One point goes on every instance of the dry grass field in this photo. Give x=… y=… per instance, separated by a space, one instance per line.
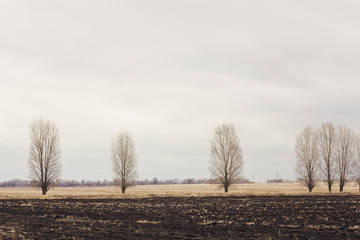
x=174 y=190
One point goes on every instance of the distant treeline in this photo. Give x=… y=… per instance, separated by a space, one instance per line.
x=62 y=183
x=278 y=180
x=156 y=181
x=102 y=183
x=15 y=183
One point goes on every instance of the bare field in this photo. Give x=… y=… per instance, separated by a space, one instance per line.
x=174 y=190
x=249 y=211
x=312 y=216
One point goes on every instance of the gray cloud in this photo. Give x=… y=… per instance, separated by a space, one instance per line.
x=169 y=72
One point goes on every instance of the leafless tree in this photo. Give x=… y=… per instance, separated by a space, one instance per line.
x=226 y=156
x=345 y=154
x=124 y=161
x=327 y=149
x=357 y=161
x=307 y=154
x=44 y=159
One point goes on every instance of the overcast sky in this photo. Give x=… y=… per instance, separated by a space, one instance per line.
x=169 y=72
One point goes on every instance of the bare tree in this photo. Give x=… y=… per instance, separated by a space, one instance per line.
x=307 y=154
x=44 y=159
x=327 y=149
x=226 y=156
x=124 y=161
x=357 y=161
x=345 y=154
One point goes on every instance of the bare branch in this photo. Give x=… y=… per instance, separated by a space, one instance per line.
x=124 y=160
x=357 y=160
x=44 y=159
x=327 y=150
x=307 y=154
x=345 y=154
x=226 y=156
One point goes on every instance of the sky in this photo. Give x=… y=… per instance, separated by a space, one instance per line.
x=169 y=72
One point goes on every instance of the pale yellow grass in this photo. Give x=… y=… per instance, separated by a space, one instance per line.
x=174 y=190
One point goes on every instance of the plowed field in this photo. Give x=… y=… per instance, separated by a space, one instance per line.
x=228 y=217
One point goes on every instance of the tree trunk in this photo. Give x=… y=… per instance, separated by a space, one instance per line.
x=226 y=187
x=341 y=187
x=342 y=183
x=329 y=184
x=123 y=188
x=43 y=191
x=311 y=186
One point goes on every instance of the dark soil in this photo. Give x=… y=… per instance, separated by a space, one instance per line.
x=241 y=217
